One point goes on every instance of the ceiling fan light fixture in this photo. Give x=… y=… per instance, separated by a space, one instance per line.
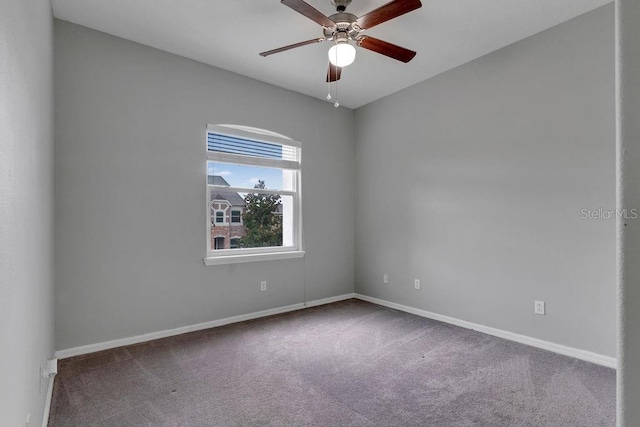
x=342 y=54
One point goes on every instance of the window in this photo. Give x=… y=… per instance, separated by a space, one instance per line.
x=236 y=217
x=256 y=175
x=218 y=243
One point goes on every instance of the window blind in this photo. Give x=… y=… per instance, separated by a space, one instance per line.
x=242 y=146
x=246 y=147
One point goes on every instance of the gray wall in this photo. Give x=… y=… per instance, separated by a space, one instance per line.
x=474 y=181
x=26 y=207
x=130 y=188
x=628 y=179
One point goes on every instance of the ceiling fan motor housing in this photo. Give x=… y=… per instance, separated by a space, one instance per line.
x=345 y=27
x=341 y=5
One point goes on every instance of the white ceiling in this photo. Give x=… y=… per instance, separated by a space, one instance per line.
x=229 y=34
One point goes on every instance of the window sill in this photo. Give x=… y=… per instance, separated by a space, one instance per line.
x=268 y=256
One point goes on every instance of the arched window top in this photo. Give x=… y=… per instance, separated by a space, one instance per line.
x=254 y=130
x=253 y=134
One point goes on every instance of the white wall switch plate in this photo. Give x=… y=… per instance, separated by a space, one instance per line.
x=539 y=307
x=263 y=285
x=416 y=283
x=385 y=278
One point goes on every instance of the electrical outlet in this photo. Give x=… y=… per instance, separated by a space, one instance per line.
x=416 y=283
x=263 y=285
x=385 y=278
x=539 y=307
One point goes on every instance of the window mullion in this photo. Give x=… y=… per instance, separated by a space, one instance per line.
x=226 y=189
x=252 y=161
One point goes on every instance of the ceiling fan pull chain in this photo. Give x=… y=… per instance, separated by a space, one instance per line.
x=337 y=104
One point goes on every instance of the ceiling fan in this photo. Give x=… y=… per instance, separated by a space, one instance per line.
x=343 y=27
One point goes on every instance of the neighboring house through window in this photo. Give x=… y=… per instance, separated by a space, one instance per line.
x=222 y=205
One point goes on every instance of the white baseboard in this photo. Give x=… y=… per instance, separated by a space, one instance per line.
x=92 y=348
x=47 y=404
x=587 y=356
x=329 y=300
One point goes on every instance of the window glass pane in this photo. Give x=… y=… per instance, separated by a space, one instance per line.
x=267 y=221
x=236 y=216
x=244 y=176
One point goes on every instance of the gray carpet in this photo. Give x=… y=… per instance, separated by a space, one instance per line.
x=345 y=364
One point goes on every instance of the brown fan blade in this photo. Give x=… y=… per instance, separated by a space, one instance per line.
x=309 y=11
x=386 y=12
x=333 y=73
x=386 y=48
x=291 y=46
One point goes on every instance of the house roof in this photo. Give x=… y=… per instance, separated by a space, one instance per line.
x=217 y=180
x=232 y=197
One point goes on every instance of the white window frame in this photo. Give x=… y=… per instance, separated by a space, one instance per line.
x=231 y=256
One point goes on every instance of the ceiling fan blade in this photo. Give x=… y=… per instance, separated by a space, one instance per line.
x=309 y=11
x=386 y=12
x=386 y=48
x=291 y=46
x=333 y=73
